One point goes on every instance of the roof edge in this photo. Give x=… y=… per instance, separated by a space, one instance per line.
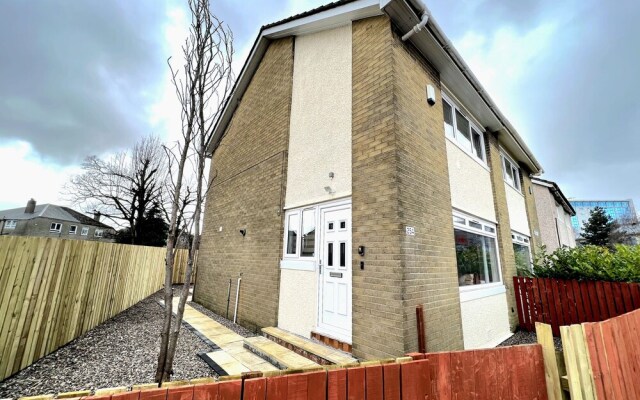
x=557 y=194
x=324 y=17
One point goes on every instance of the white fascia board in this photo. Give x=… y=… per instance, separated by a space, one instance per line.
x=322 y=20
x=537 y=182
x=331 y=18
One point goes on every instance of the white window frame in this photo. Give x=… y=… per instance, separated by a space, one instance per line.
x=487 y=289
x=297 y=255
x=517 y=183
x=55 y=227
x=84 y=231
x=472 y=124
x=73 y=229
x=10 y=224
x=98 y=233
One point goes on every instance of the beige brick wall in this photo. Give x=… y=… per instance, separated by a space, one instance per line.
x=248 y=193
x=378 y=313
x=504 y=242
x=400 y=178
x=430 y=271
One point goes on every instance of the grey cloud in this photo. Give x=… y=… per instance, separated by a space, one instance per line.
x=77 y=76
x=585 y=110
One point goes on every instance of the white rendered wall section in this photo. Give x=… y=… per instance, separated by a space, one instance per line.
x=485 y=321
x=470 y=182
x=517 y=210
x=320 y=129
x=298 y=305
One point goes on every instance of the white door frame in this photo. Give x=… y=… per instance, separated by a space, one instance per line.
x=343 y=335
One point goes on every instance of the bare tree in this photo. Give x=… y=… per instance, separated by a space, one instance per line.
x=203 y=82
x=122 y=187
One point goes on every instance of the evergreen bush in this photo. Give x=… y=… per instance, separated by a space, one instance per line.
x=597 y=263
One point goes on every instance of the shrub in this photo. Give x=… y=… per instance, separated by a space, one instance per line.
x=622 y=264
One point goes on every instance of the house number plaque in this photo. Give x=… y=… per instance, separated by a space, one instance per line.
x=335 y=274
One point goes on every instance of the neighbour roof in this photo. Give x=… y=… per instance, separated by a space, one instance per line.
x=51 y=211
x=431 y=42
x=84 y=219
x=557 y=194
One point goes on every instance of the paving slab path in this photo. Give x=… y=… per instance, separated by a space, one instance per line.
x=232 y=357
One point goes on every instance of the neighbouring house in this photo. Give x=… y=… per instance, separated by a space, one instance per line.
x=554 y=215
x=622 y=211
x=359 y=175
x=50 y=220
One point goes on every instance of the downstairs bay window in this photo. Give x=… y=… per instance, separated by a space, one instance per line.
x=476 y=251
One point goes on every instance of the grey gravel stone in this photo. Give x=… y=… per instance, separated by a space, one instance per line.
x=120 y=352
x=522 y=337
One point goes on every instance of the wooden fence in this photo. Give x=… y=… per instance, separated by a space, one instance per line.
x=180 y=267
x=54 y=290
x=515 y=372
x=599 y=360
x=560 y=302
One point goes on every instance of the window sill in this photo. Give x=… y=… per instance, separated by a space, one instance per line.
x=467 y=153
x=298 y=265
x=470 y=293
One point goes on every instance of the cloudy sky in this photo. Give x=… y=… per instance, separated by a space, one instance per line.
x=79 y=78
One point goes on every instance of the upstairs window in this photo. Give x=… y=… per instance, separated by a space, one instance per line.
x=511 y=172
x=55 y=227
x=85 y=231
x=10 y=224
x=462 y=131
x=98 y=233
x=521 y=252
x=73 y=229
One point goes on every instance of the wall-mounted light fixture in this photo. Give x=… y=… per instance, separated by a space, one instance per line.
x=243 y=232
x=329 y=190
x=431 y=95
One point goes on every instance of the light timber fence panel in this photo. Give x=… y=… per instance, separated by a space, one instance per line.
x=180 y=266
x=602 y=359
x=54 y=290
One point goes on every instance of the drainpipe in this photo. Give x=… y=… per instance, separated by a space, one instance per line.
x=423 y=20
x=235 y=311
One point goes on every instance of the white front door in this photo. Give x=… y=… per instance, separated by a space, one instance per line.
x=334 y=316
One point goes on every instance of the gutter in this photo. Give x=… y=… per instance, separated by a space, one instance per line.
x=448 y=47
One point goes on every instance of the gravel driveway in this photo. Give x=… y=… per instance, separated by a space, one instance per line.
x=120 y=352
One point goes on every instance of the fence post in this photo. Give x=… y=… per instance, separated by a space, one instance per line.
x=551 y=374
x=577 y=362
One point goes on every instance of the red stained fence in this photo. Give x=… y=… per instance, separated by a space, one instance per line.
x=503 y=373
x=560 y=302
x=614 y=354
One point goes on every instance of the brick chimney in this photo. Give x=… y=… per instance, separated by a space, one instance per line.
x=31 y=207
x=96 y=216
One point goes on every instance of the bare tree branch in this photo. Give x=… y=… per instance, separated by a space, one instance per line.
x=201 y=85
